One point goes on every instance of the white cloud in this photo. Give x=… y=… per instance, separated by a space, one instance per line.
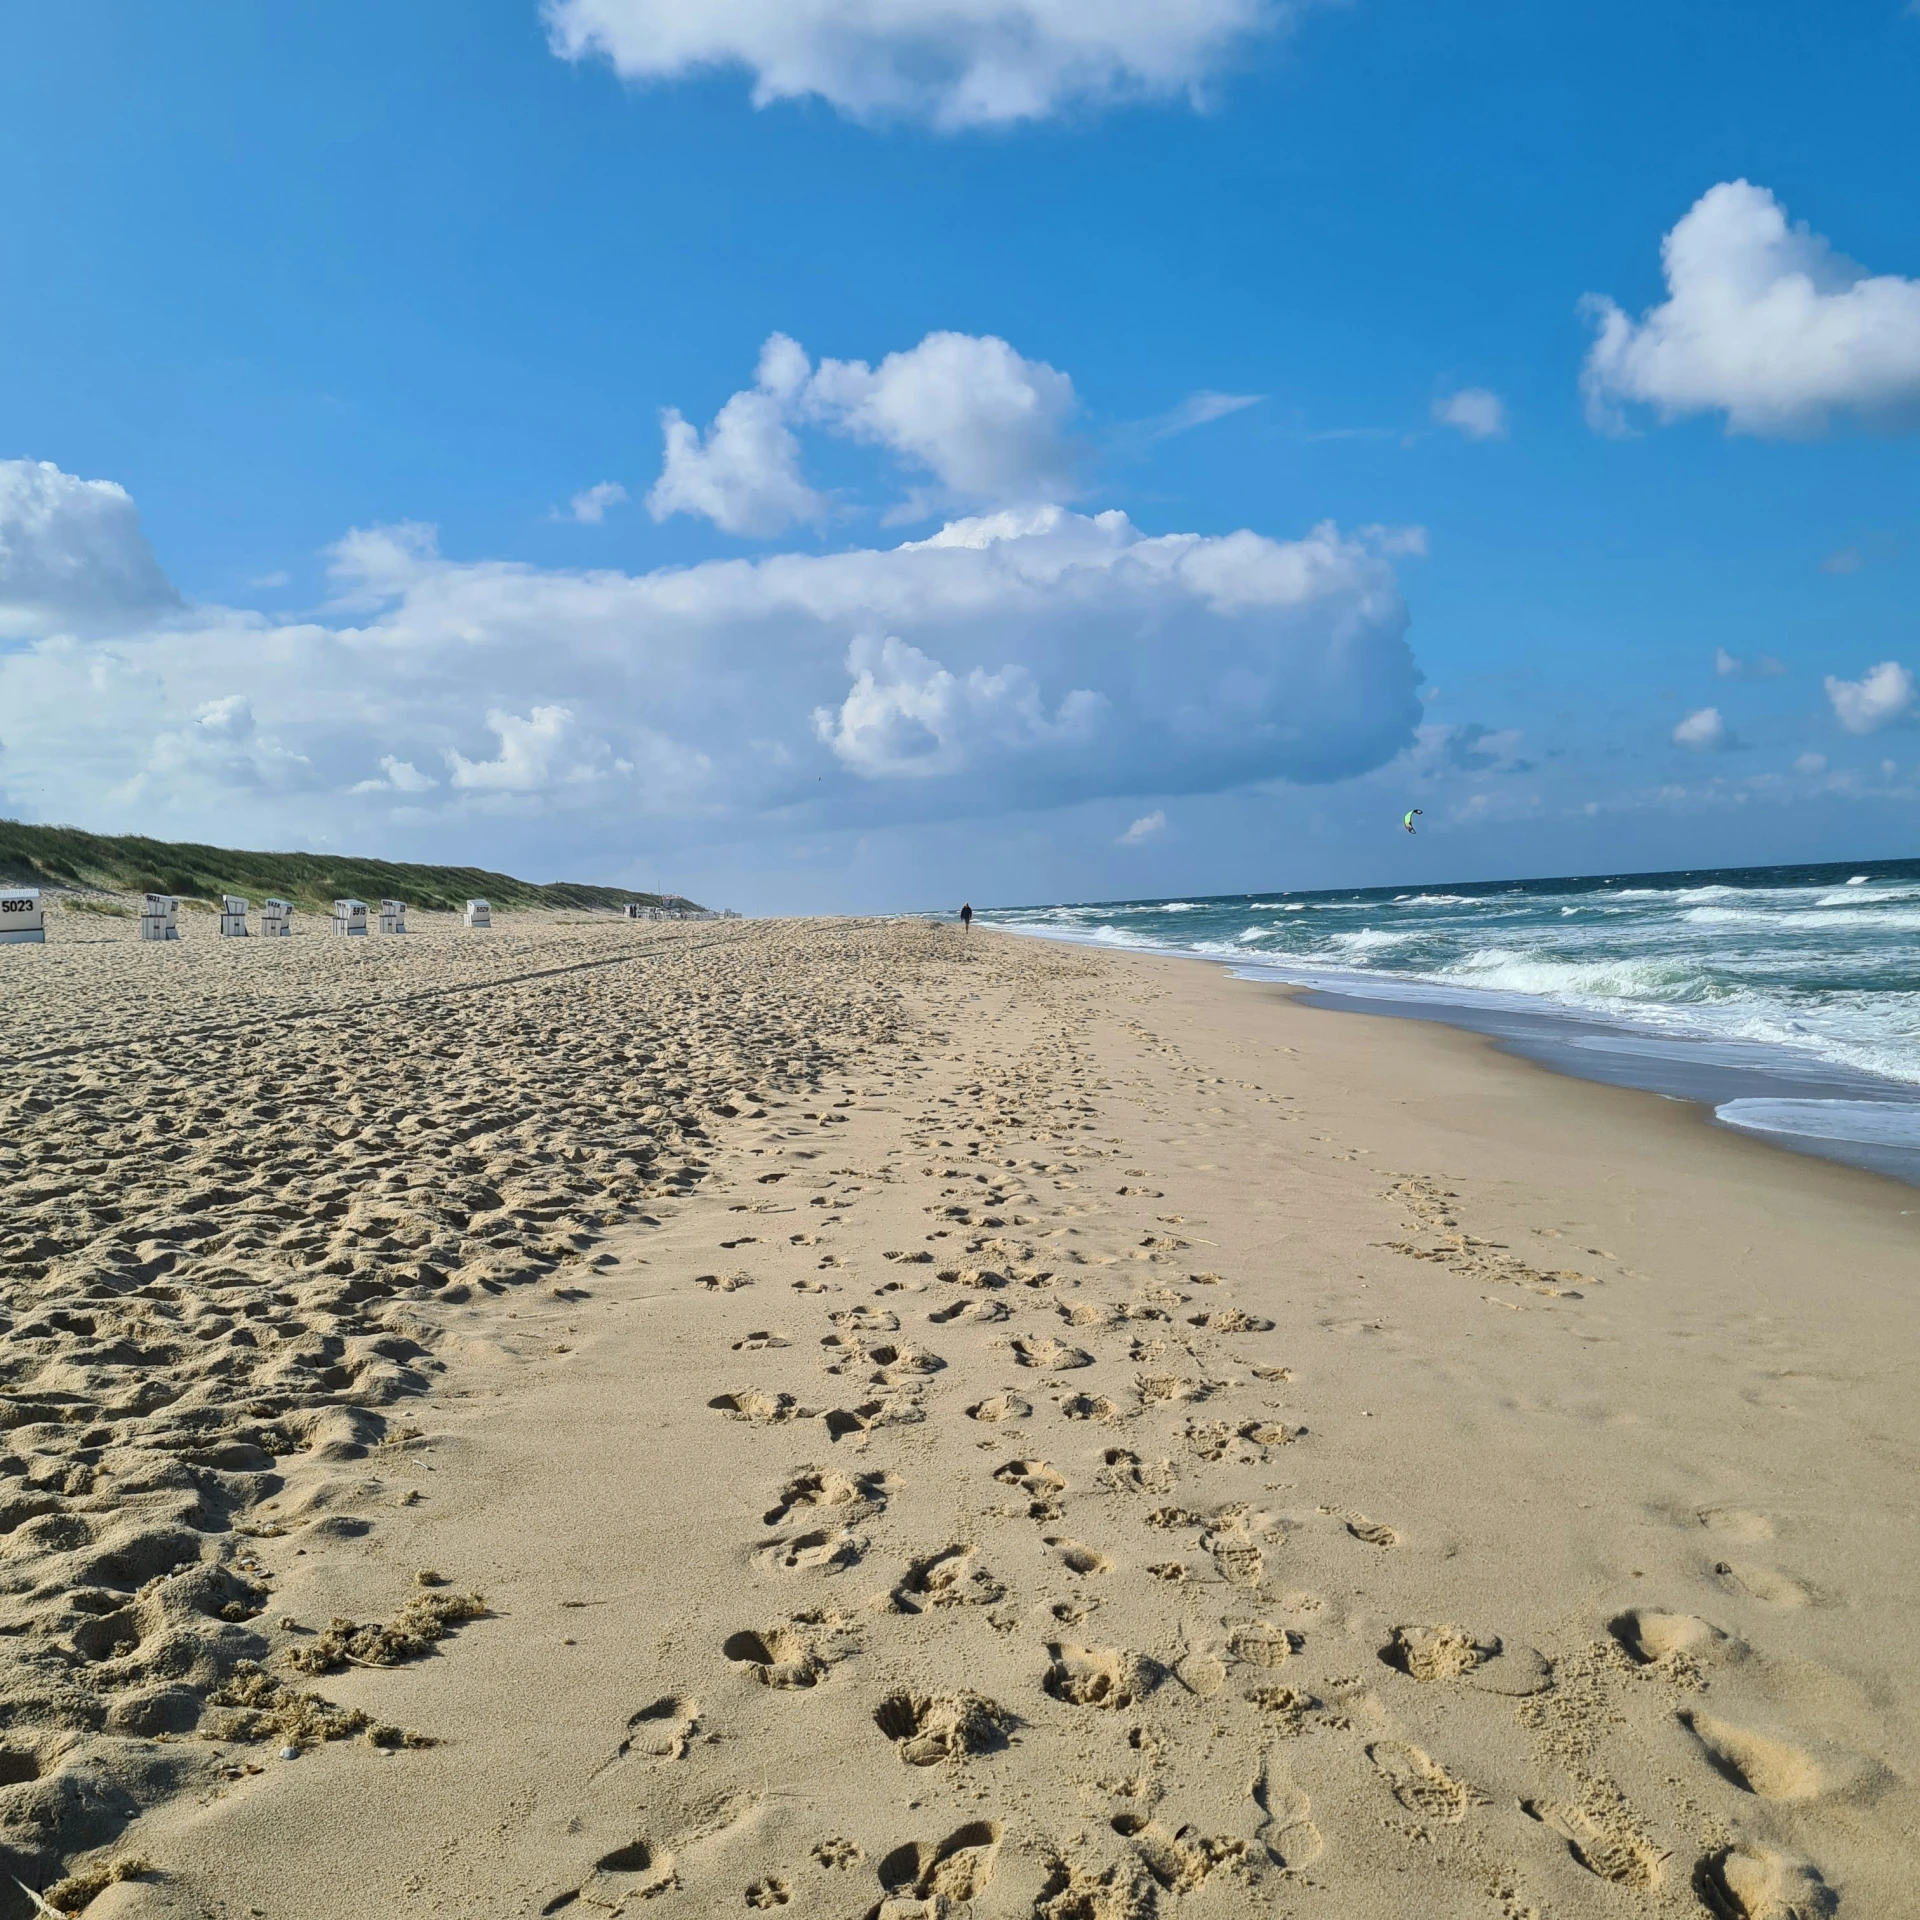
x=219 y=748
x=1704 y=731
x=1881 y=695
x=1027 y=659
x=1150 y=826
x=907 y=715
x=986 y=422
x=589 y=507
x=1197 y=410
x=546 y=750
x=1811 y=763
x=1729 y=666
x=1475 y=412
x=1763 y=322
x=72 y=556
x=745 y=475
x=953 y=63
x=396 y=776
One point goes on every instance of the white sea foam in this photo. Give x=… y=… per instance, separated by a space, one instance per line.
x=1878 y=1123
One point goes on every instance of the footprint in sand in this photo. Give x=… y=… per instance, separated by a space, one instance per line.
x=777 y=1657
x=952 y=1577
x=1651 y=1637
x=930 y=1727
x=979 y=1312
x=1001 y=1406
x=1291 y=1839
x=824 y=1487
x=1261 y=1644
x=1438 y=1653
x=769 y=1893
x=954 y=1871
x=1235 y=1553
x=1766 y=1584
x=836 y=1853
x=1230 y=1320
x=1050 y=1355
x=634 y=1871
x=821 y=1549
x=762 y=1409
x=1771 y=1768
x=865 y=1320
x=1077 y=1558
x=1088 y=1313
x=1178 y=1859
x=661 y=1730
x=1165 y=1390
x=1090 y=1406
x=760 y=1342
x=1755 y=1883
x=1607 y=1847
x=1122 y=1471
x=1372 y=1532
x=1420 y=1783
x=1098 y=1676
x=1032 y=1476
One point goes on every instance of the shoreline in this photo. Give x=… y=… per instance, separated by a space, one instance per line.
x=1601 y=1050
x=1090 y=1437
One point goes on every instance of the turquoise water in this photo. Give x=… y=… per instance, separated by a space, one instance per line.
x=1786 y=972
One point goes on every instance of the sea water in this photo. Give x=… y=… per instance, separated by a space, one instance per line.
x=1788 y=998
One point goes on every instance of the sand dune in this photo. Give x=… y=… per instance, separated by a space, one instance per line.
x=860 y=1421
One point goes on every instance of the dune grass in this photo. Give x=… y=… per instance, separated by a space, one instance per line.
x=130 y=863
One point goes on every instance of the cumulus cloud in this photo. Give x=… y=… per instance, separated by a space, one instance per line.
x=1150 y=826
x=548 y=749
x=1474 y=412
x=1730 y=666
x=907 y=715
x=396 y=776
x=72 y=556
x=1763 y=322
x=1810 y=763
x=1026 y=659
x=744 y=475
x=1704 y=732
x=952 y=63
x=1880 y=697
x=985 y=423
x=589 y=506
x=983 y=420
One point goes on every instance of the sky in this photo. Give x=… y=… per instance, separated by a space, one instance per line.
x=821 y=455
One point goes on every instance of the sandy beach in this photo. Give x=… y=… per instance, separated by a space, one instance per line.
x=859 y=1420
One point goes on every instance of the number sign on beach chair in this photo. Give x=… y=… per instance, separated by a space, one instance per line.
x=349 y=916
x=276 y=919
x=479 y=914
x=233 y=917
x=23 y=921
x=159 y=917
x=393 y=916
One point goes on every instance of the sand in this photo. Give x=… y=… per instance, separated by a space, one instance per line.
x=863 y=1420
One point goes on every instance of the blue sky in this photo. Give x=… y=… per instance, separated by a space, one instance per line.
x=292 y=287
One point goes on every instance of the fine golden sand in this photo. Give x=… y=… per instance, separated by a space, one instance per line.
x=862 y=1420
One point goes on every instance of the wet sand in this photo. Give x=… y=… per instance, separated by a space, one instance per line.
x=905 y=1424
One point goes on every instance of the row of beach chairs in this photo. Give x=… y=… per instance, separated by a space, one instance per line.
x=23 y=917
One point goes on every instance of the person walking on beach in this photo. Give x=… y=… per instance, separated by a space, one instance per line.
x=966 y=917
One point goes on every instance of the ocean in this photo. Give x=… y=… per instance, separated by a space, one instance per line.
x=1787 y=998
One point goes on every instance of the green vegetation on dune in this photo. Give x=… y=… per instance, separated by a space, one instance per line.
x=128 y=863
